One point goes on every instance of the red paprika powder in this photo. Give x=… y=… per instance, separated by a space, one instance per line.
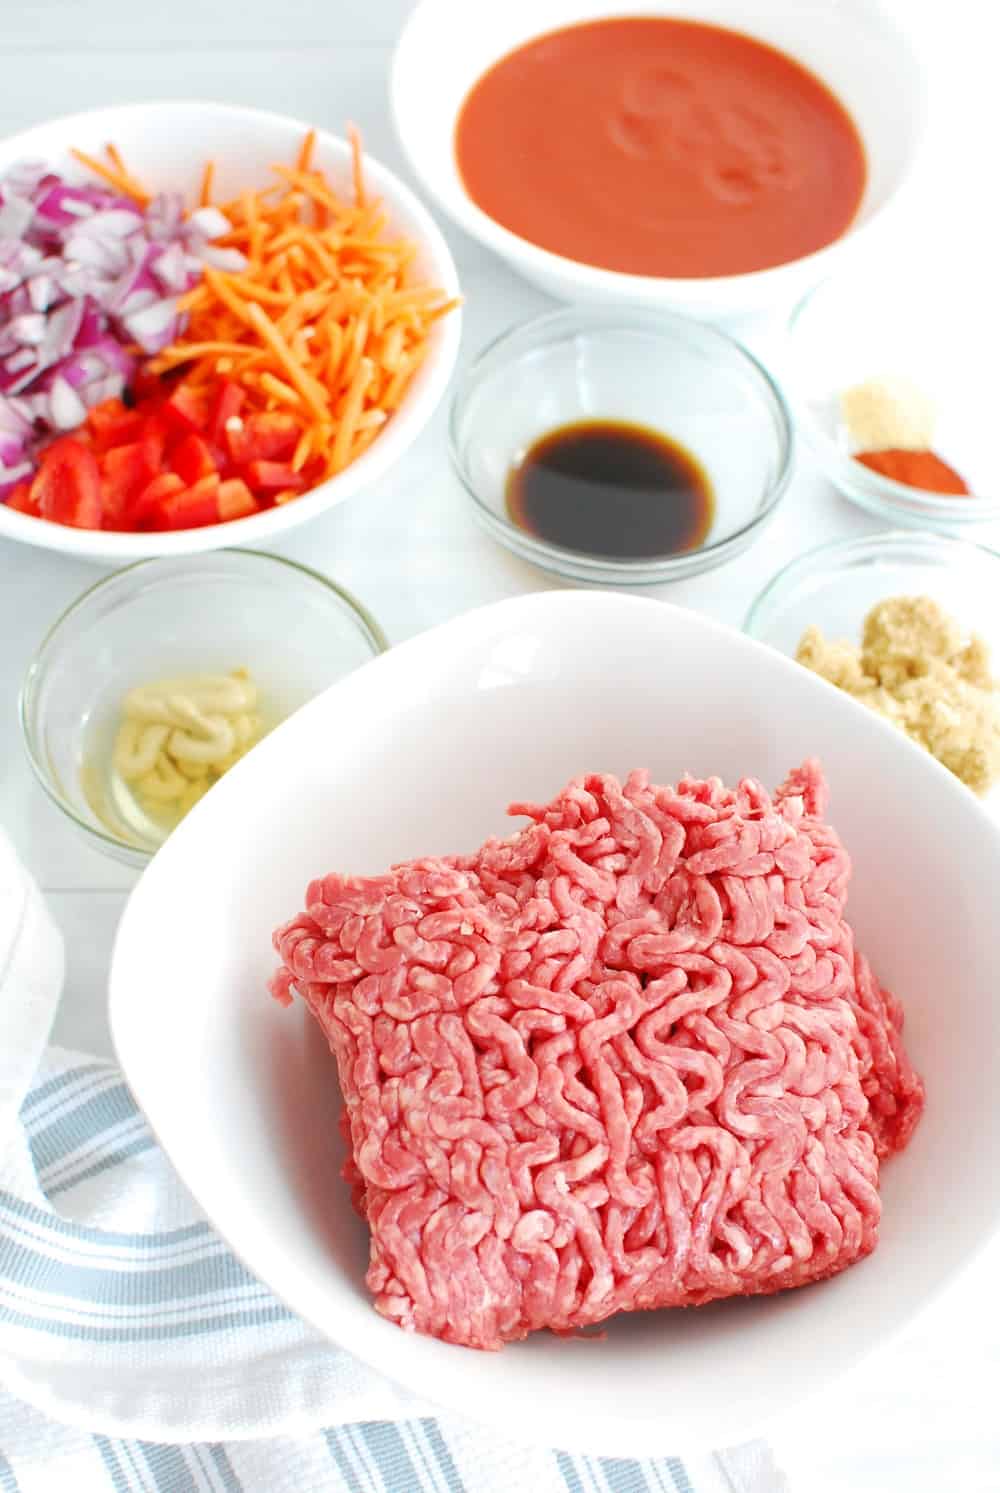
x=916 y=469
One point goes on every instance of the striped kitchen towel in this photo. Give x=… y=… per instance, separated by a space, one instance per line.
x=136 y=1352
x=125 y=1317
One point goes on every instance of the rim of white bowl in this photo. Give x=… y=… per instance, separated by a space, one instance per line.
x=398 y=435
x=749 y=287
x=137 y=855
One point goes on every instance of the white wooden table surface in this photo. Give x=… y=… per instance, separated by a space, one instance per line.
x=920 y=1416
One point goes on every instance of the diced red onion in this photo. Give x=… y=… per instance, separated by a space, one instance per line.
x=61 y=332
x=11 y=449
x=85 y=275
x=16 y=214
x=11 y=476
x=164 y=216
x=154 y=327
x=107 y=255
x=171 y=268
x=207 y=223
x=41 y=292
x=231 y=261
x=25 y=357
x=27 y=330
x=67 y=409
x=26 y=176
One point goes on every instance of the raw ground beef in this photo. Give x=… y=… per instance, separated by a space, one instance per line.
x=627 y=1058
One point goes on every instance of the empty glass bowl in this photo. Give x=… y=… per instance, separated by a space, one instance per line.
x=293 y=630
x=685 y=380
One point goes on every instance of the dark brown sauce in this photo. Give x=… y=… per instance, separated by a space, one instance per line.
x=610 y=488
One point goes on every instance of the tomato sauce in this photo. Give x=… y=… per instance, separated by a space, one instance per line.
x=661 y=147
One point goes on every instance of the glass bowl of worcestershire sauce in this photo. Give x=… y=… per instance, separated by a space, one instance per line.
x=621 y=448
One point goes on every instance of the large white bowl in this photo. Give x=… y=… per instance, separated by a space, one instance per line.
x=419 y=752
x=853 y=45
x=166 y=145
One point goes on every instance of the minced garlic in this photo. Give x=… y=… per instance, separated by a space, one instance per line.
x=179 y=736
x=890 y=413
x=915 y=668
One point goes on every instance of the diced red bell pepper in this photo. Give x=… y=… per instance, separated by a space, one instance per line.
x=187 y=410
x=22 y=502
x=125 y=471
x=145 y=510
x=272 y=476
x=67 y=485
x=148 y=387
x=155 y=435
x=235 y=500
x=111 y=424
x=192 y=460
x=196 y=506
x=226 y=406
x=267 y=436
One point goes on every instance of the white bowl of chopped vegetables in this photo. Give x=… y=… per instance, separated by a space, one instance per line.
x=215 y=324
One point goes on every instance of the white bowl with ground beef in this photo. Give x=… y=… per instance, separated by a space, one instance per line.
x=419 y=753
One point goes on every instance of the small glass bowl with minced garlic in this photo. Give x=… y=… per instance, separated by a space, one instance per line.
x=160 y=677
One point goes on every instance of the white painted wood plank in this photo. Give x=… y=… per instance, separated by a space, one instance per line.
x=219 y=25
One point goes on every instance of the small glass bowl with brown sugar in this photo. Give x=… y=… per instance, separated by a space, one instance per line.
x=291 y=629
x=914 y=665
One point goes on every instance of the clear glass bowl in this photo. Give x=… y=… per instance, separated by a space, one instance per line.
x=690 y=381
x=835 y=585
x=293 y=629
x=874 y=323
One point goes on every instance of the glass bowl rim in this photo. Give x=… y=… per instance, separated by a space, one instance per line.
x=895 y=497
x=34 y=673
x=662 y=325
x=864 y=545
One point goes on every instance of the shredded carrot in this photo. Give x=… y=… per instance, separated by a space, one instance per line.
x=325 y=322
x=304 y=158
x=115 y=176
x=207 y=178
x=357 y=164
x=351 y=414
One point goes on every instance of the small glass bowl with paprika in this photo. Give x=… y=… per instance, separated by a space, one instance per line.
x=889 y=330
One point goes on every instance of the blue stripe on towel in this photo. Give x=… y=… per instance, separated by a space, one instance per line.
x=27 y=1266
x=623 y=1476
x=224 y=1469
x=677 y=1471
x=61 y=1081
x=17 y=1208
x=439 y=1447
x=334 y=1443
x=568 y=1468
x=110 y=1457
x=76 y=1127
x=145 y=1142
x=165 y=1331
x=388 y=1450
x=168 y=1466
